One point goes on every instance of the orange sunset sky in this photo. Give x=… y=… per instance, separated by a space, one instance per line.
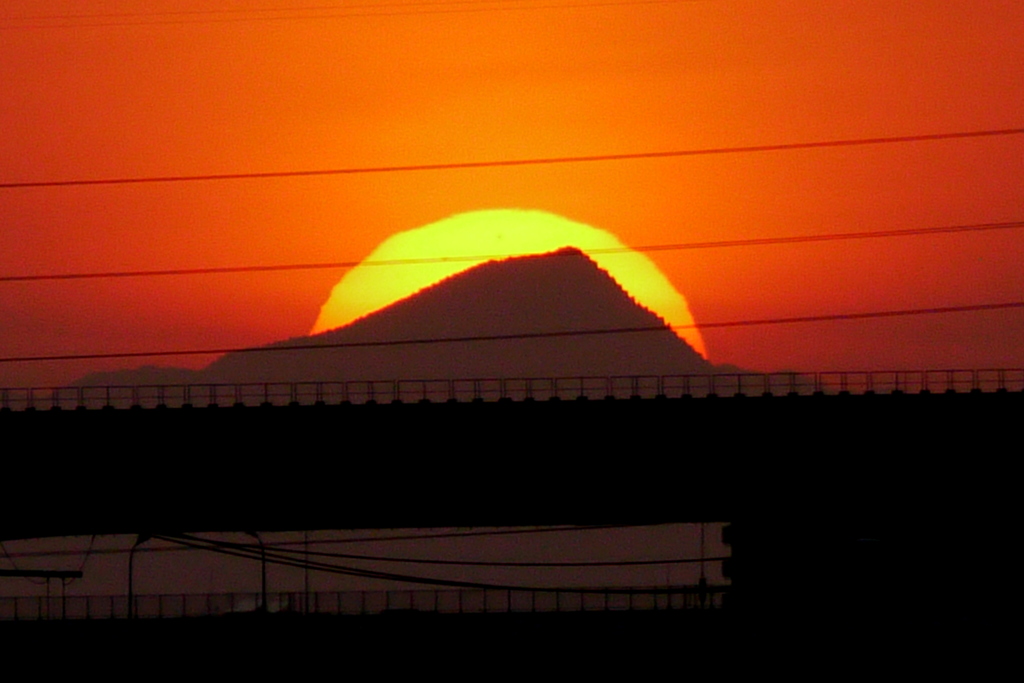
x=108 y=89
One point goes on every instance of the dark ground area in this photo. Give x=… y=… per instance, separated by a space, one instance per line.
x=905 y=504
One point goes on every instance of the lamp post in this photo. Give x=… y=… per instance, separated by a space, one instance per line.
x=263 y=570
x=139 y=540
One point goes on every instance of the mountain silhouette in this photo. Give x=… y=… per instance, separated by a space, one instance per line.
x=548 y=296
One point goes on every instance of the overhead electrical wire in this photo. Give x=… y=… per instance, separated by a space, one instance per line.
x=470 y=563
x=235 y=11
x=358 y=539
x=89 y=552
x=38 y=582
x=272 y=558
x=316 y=12
x=473 y=533
x=507 y=163
x=521 y=336
x=682 y=246
x=522 y=162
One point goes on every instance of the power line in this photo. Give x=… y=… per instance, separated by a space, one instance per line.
x=831 y=237
x=272 y=558
x=309 y=347
x=524 y=335
x=859 y=316
x=358 y=539
x=240 y=11
x=183 y=17
x=470 y=563
x=15 y=566
x=471 y=534
x=538 y=161
x=683 y=246
x=336 y=265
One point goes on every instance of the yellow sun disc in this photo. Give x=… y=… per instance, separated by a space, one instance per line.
x=479 y=236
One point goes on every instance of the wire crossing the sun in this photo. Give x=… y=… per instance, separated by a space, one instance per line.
x=524 y=335
x=506 y=163
x=682 y=246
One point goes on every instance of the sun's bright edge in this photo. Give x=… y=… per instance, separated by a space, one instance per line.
x=495 y=234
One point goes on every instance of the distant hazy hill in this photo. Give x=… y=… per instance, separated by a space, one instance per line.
x=561 y=292
x=147 y=375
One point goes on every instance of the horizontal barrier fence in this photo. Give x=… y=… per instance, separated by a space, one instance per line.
x=469 y=601
x=540 y=389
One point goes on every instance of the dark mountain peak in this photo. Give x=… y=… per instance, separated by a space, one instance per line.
x=555 y=292
x=514 y=300
x=518 y=317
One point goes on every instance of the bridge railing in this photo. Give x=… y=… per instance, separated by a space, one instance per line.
x=462 y=601
x=515 y=389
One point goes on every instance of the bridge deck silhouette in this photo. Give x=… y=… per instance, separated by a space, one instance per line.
x=803 y=477
x=515 y=389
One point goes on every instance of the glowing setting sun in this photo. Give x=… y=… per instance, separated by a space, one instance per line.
x=215 y=169
x=442 y=249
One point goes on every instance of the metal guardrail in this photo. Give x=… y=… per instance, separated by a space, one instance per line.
x=514 y=389
x=463 y=601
